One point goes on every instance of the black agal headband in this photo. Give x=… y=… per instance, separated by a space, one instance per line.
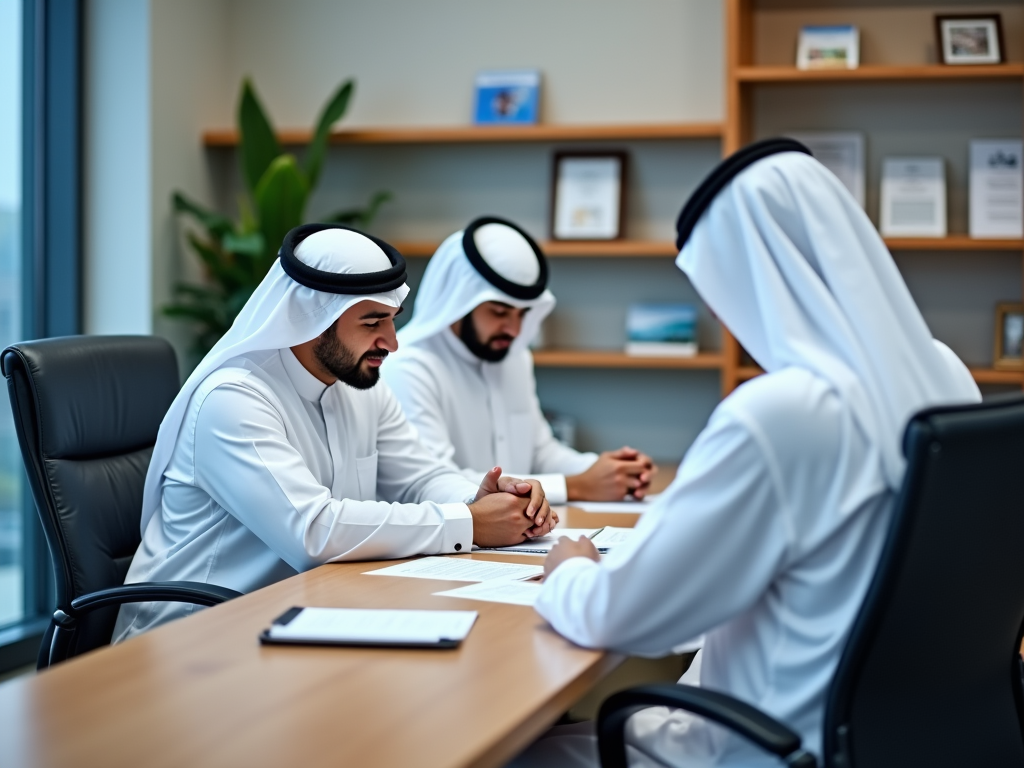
x=358 y=284
x=726 y=171
x=515 y=290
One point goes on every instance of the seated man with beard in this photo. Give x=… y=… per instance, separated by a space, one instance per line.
x=464 y=374
x=281 y=452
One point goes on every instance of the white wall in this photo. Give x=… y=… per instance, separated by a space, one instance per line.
x=414 y=61
x=154 y=79
x=190 y=92
x=117 y=168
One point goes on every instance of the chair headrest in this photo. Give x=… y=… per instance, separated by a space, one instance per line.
x=95 y=395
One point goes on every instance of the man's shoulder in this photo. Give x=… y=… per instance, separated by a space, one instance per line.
x=791 y=409
x=238 y=379
x=416 y=365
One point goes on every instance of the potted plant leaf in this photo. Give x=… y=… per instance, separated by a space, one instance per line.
x=237 y=255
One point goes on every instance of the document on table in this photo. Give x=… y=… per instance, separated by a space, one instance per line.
x=500 y=591
x=352 y=626
x=609 y=538
x=637 y=507
x=458 y=569
x=542 y=544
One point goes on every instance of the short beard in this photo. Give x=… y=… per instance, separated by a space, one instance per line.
x=342 y=363
x=483 y=350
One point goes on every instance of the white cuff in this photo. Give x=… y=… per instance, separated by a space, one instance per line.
x=458 y=528
x=554 y=487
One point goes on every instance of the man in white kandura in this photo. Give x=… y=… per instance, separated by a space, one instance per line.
x=771 y=532
x=280 y=453
x=464 y=373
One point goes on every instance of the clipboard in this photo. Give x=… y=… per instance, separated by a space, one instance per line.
x=342 y=627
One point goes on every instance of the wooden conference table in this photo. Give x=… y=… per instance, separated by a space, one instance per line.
x=203 y=692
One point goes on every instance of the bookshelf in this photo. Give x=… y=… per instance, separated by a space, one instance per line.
x=575 y=358
x=470 y=134
x=767 y=95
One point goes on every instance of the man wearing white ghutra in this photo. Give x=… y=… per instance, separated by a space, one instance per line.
x=464 y=374
x=282 y=451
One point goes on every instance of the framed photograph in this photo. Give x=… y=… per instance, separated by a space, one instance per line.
x=975 y=38
x=835 y=47
x=588 y=196
x=507 y=97
x=1009 y=352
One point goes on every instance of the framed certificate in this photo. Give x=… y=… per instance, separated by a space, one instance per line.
x=1009 y=351
x=588 y=196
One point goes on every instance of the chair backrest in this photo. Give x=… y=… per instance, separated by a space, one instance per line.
x=86 y=411
x=931 y=675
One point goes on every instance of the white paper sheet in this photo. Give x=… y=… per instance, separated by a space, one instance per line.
x=375 y=626
x=997 y=188
x=542 y=544
x=913 y=197
x=610 y=537
x=512 y=592
x=458 y=569
x=638 y=507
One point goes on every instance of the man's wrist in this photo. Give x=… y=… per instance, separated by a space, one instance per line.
x=573 y=489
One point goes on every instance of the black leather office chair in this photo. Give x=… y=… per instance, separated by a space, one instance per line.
x=931 y=675
x=86 y=412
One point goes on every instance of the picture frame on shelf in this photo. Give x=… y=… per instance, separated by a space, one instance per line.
x=1009 y=341
x=833 y=47
x=507 y=97
x=975 y=38
x=588 y=195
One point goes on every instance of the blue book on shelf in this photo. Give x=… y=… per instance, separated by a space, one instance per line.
x=661 y=330
x=509 y=97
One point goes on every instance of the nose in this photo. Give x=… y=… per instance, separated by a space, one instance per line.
x=512 y=326
x=388 y=339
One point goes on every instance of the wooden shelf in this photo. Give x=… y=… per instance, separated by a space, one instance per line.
x=981 y=375
x=992 y=376
x=576 y=358
x=748 y=372
x=786 y=74
x=667 y=249
x=561 y=248
x=952 y=243
x=473 y=134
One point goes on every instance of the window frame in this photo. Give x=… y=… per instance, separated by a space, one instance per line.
x=51 y=244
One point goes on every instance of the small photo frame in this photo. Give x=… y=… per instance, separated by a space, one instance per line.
x=588 y=195
x=975 y=38
x=835 y=47
x=1009 y=347
x=507 y=97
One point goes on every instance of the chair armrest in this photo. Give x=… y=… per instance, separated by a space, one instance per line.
x=150 y=591
x=750 y=722
x=65 y=623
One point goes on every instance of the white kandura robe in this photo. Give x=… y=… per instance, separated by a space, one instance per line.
x=755 y=541
x=769 y=536
x=474 y=415
x=251 y=495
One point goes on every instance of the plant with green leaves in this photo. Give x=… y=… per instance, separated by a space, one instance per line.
x=236 y=256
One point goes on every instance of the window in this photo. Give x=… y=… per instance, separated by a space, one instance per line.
x=12 y=589
x=40 y=108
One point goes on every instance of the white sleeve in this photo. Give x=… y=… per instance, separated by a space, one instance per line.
x=549 y=455
x=244 y=460
x=706 y=551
